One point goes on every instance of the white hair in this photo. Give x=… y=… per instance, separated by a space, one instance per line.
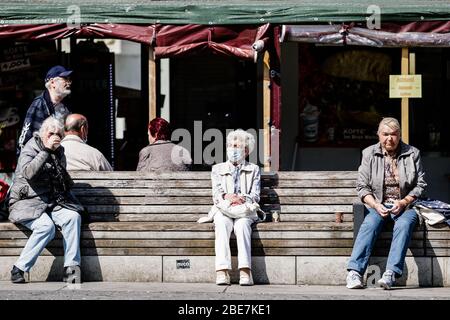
x=242 y=137
x=51 y=123
x=47 y=84
x=391 y=123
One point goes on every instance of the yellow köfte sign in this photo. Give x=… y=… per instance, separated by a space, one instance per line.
x=405 y=86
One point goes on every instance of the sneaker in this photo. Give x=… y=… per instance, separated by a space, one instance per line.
x=17 y=275
x=245 y=278
x=354 y=280
x=72 y=274
x=387 y=280
x=222 y=278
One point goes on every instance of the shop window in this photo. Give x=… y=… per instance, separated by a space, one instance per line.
x=93 y=93
x=218 y=91
x=23 y=67
x=429 y=130
x=344 y=93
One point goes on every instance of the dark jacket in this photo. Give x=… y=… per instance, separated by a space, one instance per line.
x=40 y=109
x=41 y=183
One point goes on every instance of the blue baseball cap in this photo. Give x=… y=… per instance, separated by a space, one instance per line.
x=57 y=71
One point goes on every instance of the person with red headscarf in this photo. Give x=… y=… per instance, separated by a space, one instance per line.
x=161 y=155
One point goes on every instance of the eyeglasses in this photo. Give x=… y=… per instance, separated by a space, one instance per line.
x=67 y=80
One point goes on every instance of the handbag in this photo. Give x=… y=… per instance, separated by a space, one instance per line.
x=430 y=216
x=245 y=210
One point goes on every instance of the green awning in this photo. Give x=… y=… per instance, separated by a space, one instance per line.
x=216 y=12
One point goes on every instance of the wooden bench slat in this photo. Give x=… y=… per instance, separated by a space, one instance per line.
x=170 y=192
x=209 y=243
x=127 y=175
x=206 y=184
x=313 y=192
x=204 y=175
x=316 y=184
x=437 y=235
x=140 y=175
x=188 y=243
x=184 y=217
x=438 y=227
x=184 y=251
x=145 y=184
x=265 y=198
x=170 y=226
x=437 y=252
x=173 y=192
x=333 y=234
x=318 y=175
x=160 y=209
x=210 y=251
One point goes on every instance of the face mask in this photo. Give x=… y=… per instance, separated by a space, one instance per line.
x=235 y=154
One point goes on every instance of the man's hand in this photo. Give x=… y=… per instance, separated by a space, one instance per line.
x=399 y=206
x=53 y=142
x=382 y=210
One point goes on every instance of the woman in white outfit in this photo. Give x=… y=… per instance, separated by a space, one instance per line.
x=236 y=184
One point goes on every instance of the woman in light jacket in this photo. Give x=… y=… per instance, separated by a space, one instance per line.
x=235 y=182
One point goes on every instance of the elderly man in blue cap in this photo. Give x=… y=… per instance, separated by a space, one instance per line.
x=49 y=103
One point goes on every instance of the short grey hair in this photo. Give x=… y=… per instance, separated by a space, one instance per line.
x=51 y=123
x=391 y=123
x=243 y=137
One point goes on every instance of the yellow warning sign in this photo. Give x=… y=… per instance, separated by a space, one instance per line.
x=405 y=86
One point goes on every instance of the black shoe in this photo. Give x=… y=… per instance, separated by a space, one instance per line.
x=72 y=274
x=17 y=275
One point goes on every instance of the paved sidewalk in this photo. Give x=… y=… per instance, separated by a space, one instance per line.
x=206 y=291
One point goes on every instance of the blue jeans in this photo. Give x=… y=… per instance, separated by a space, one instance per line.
x=44 y=231
x=368 y=233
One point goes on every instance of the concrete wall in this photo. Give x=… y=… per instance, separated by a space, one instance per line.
x=300 y=270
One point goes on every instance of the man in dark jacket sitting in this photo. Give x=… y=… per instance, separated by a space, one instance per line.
x=41 y=197
x=49 y=103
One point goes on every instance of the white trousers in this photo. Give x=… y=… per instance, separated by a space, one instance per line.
x=243 y=231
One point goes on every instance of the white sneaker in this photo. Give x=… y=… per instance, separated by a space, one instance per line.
x=354 y=280
x=387 y=280
x=245 y=279
x=222 y=278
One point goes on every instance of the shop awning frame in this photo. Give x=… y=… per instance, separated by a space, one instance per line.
x=349 y=34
